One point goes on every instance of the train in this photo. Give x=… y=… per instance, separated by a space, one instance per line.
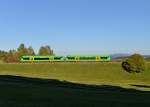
x=69 y=58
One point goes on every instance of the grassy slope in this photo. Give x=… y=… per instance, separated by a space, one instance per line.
x=111 y=74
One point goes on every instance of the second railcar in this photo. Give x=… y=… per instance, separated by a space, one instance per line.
x=88 y=58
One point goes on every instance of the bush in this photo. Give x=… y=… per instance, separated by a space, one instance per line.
x=134 y=63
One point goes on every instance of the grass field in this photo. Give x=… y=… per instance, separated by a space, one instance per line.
x=77 y=85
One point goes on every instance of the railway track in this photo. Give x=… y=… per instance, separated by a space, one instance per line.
x=28 y=63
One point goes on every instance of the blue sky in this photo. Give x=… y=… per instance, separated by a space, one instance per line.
x=77 y=26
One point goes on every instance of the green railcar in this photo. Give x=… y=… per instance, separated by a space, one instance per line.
x=88 y=58
x=41 y=58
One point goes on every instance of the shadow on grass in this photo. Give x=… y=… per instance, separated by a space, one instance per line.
x=17 y=91
x=142 y=86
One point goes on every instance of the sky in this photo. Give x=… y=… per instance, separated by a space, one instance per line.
x=76 y=26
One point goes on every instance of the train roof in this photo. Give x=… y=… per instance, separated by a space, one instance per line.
x=67 y=56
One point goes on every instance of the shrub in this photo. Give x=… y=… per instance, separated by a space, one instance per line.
x=134 y=63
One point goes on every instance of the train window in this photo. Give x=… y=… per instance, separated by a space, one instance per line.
x=71 y=58
x=25 y=58
x=104 y=57
x=57 y=58
x=41 y=58
x=87 y=58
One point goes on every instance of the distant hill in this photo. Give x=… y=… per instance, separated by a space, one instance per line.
x=147 y=57
x=120 y=57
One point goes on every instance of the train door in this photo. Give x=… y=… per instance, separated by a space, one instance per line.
x=31 y=59
x=76 y=58
x=97 y=58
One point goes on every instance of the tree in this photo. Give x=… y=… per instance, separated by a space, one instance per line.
x=11 y=56
x=45 y=50
x=21 y=47
x=30 y=51
x=134 y=63
x=42 y=51
x=3 y=54
x=22 y=50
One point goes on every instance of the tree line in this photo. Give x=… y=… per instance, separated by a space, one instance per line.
x=14 y=55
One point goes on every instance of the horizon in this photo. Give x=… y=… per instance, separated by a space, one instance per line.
x=76 y=27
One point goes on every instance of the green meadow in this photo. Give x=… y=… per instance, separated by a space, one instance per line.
x=77 y=85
